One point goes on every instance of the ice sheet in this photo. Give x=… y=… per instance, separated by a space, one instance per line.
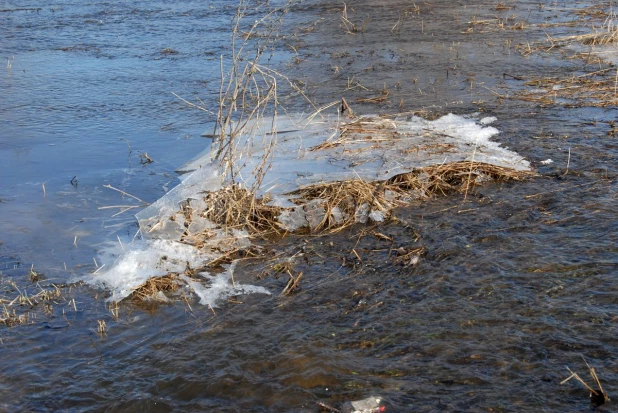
x=385 y=148
x=323 y=150
x=221 y=287
x=126 y=270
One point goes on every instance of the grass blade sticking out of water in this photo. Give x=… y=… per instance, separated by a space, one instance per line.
x=598 y=397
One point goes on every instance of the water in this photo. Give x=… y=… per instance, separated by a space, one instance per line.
x=518 y=280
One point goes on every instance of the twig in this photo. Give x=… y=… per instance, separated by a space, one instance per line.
x=126 y=193
x=579 y=379
x=193 y=105
x=329 y=408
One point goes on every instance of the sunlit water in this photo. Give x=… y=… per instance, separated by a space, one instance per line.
x=519 y=279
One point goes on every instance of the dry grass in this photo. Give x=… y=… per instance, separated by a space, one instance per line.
x=607 y=34
x=360 y=129
x=22 y=305
x=597 y=11
x=292 y=284
x=339 y=205
x=101 y=328
x=595 y=89
x=598 y=88
x=381 y=98
x=503 y=7
x=9 y=317
x=408 y=257
x=600 y=38
x=351 y=28
x=598 y=397
x=342 y=201
x=456 y=176
x=497 y=24
x=166 y=283
x=235 y=207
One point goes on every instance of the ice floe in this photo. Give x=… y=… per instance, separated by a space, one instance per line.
x=328 y=149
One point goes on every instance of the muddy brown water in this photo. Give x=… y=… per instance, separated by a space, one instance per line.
x=518 y=281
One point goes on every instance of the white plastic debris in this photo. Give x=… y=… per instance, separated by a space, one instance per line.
x=368 y=405
x=546 y=162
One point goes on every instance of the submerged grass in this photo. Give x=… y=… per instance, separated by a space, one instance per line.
x=594 y=89
x=29 y=303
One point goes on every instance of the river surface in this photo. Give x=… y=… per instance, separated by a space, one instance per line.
x=519 y=279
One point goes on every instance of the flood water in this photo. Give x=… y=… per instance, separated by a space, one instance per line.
x=519 y=279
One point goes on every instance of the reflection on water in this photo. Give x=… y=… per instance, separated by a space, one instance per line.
x=517 y=283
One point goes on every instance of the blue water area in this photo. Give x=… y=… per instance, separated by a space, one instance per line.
x=87 y=89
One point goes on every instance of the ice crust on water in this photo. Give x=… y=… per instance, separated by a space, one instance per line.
x=221 y=287
x=124 y=271
x=386 y=147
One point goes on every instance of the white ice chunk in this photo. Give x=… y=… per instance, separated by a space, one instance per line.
x=293 y=219
x=337 y=215
x=241 y=238
x=199 y=224
x=201 y=160
x=143 y=261
x=488 y=120
x=315 y=213
x=221 y=287
x=376 y=216
x=362 y=213
x=152 y=219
